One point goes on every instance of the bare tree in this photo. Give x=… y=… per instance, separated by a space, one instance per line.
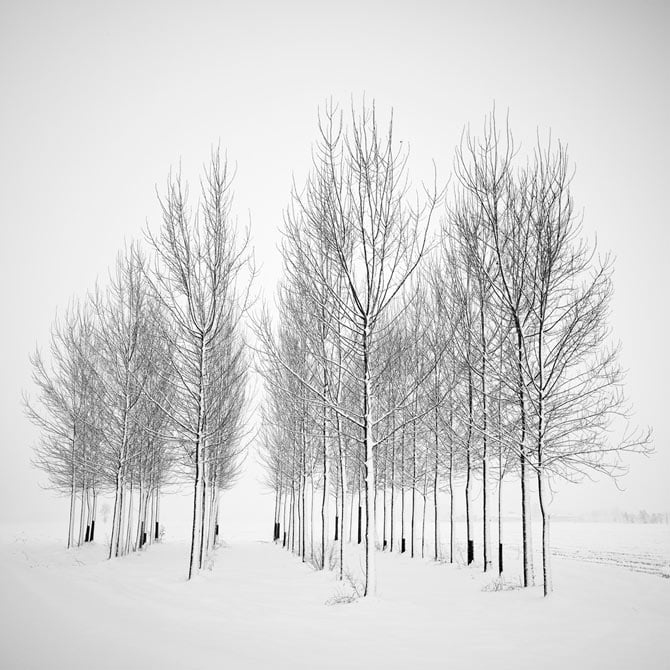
x=126 y=342
x=574 y=380
x=484 y=170
x=198 y=269
x=356 y=207
x=525 y=250
x=64 y=406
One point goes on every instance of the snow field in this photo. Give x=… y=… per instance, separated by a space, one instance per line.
x=638 y=547
x=260 y=607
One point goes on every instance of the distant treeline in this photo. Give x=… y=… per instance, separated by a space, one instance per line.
x=644 y=517
x=617 y=516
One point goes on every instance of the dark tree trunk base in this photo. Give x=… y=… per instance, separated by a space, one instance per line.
x=471 y=551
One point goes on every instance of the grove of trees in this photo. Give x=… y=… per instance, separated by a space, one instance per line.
x=432 y=341
x=429 y=349
x=145 y=383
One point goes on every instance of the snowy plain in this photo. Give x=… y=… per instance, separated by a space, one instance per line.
x=257 y=606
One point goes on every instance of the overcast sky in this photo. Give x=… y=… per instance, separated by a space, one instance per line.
x=99 y=99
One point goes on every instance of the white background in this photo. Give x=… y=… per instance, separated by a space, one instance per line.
x=98 y=100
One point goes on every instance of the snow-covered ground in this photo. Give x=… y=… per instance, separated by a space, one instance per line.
x=260 y=607
x=638 y=547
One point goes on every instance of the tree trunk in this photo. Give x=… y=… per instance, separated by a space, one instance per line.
x=120 y=479
x=82 y=516
x=546 y=573
x=425 y=502
x=500 y=533
x=485 y=511
x=351 y=514
x=89 y=512
x=311 y=521
x=451 y=482
x=114 y=514
x=303 y=483
x=525 y=526
x=370 y=586
x=94 y=515
x=197 y=455
x=203 y=511
x=501 y=465
x=343 y=494
x=470 y=547
x=292 y=519
x=324 y=500
x=119 y=520
x=435 y=492
x=413 y=486
x=392 y=483
x=73 y=494
x=361 y=485
x=284 y=505
x=140 y=515
x=546 y=555
x=158 y=516
x=384 y=515
x=129 y=527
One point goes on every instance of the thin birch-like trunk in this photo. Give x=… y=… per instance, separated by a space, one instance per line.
x=528 y=577
x=435 y=490
x=451 y=482
x=413 y=487
x=392 y=483
x=343 y=495
x=73 y=493
x=468 y=468
x=324 y=501
x=425 y=502
x=485 y=511
x=384 y=542
x=197 y=455
x=402 y=490
x=204 y=536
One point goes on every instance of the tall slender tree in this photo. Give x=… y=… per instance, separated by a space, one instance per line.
x=199 y=264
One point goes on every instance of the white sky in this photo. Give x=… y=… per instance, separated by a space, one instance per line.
x=100 y=98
